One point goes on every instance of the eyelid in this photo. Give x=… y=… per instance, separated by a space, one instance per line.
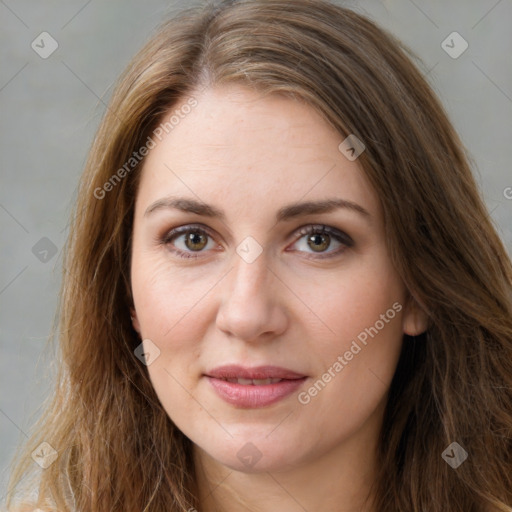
x=182 y=230
x=340 y=236
x=324 y=228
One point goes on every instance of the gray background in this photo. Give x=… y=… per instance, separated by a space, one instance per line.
x=51 y=108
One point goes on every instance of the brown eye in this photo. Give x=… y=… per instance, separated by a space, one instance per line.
x=195 y=241
x=187 y=240
x=318 y=242
x=319 y=238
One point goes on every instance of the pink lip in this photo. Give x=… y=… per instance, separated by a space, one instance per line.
x=253 y=396
x=234 y=371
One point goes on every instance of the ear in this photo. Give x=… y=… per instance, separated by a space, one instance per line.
x=414 y=319
x=135 y=320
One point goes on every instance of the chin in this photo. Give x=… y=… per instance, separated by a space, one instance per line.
x=256 y=456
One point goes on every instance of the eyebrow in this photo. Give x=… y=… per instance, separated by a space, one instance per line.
x=286 y=213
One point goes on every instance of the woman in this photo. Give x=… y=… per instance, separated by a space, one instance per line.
x=282 y=289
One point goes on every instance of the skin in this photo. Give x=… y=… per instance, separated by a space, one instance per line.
x=249 y=156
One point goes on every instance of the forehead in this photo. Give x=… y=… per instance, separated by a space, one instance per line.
x=241 y=148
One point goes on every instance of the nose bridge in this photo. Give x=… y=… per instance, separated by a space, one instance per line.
x=250 y=275
x=249 y=305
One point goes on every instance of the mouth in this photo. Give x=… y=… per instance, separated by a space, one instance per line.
x=248 y=388
x=253 y=382
x=234 y=372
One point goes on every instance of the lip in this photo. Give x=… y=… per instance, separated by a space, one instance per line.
x=249 y=396
x=234 y=371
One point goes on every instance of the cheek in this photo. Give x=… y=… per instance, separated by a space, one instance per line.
x=355 y=360
x=353 y=299
x=172 y=307
x=165 y=296
x=362 y=308
x=168 y=305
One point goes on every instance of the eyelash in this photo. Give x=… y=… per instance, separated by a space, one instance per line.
x=317 y=229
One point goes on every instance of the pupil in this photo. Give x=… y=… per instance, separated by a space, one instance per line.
x=315 y=238
x=195 y=238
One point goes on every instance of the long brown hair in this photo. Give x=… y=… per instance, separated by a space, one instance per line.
x=117 y=448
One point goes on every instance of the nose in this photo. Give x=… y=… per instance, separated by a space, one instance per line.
x=251 y=308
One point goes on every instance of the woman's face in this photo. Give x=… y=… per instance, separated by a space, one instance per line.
x=242 y=282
